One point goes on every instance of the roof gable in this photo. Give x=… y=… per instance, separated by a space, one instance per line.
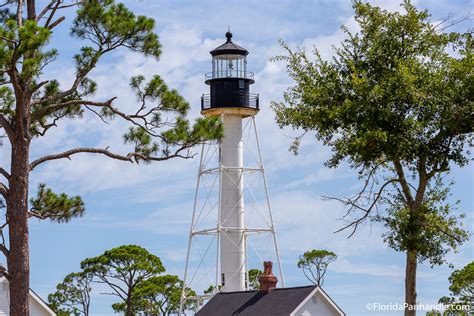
x=324 y=295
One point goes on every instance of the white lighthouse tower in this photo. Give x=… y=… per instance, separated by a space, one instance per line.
x=220 y=207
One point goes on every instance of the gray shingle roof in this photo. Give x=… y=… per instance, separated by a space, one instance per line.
x=229 y=48
x=279 y=302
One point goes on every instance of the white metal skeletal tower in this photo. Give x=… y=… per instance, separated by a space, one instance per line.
x=232 y=229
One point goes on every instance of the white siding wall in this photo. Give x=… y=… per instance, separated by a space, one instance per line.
x=36 y=309
x=4 y=299
x=317 y=306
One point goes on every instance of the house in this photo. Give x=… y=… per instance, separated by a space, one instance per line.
x=269 y=300
x=37 y=306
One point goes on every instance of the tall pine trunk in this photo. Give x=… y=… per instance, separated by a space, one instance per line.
x=410 y=283
x=128 y=311
x=18 y=259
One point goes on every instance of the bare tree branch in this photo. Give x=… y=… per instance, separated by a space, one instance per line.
x=97 y=114
x=81 y=74
x=46 y=9
x=56 y=23
x=4 y=190
x=55 y=5
x=403 y=182
x=3 y=247
x=36 y=215
x=78 y=2
x=138 y=119
x=4 y=250
x=50 y=17
x=441 y=26
x=19 y=13
x=39 y=85
x=69 y=153
x=9 y=40
x=117 y=289
x=59 y=106
x=131 y=157
x=422 y=183
x=8 y=2
x=7 y=127
x=4 y=272
x=353 y=205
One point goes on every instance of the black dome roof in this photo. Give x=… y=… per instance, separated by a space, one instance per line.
x=229 y=48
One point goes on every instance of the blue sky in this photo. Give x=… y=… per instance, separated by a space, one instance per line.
x=151 y=205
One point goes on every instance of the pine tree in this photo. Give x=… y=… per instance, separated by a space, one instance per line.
x=32 y=105
x=124 y=269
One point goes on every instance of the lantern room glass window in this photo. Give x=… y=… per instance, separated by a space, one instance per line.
x=225 y=66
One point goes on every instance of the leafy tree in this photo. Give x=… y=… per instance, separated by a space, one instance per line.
x=315 y=263
x=253 y=279
x=123 y=269
x=32 y=105
x=161 y=295
x=396 y=104
x=448 y=312
x=72 y=296
x=212 y=289
x=461 y=287
x=253 y=282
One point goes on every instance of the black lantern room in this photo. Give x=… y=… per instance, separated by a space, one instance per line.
x=229 y=80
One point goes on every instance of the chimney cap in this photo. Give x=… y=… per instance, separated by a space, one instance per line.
x=267 y=279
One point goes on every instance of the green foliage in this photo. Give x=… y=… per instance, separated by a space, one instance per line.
x=24 y=45
x=212 y=289
x=111 y=25
x=157 y=92
x=391 y=91
x=57 y=208
x=431 y=232
x=72 y=296
x=141 y=140
x=395 y=102
x=169 y=102
x=315 y=263
x=161 y=295
x=253 y=279
x=32 y=38
x=32 y=103
x=106 y=26
x=7 y=99
x=123 y=269
x=461 y=288
x=462 y=283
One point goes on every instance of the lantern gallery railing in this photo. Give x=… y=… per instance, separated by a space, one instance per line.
x=250 y=100
x=229 y=74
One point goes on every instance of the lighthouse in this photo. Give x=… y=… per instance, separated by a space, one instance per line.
x=229 y=99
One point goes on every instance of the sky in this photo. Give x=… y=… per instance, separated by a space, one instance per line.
x=151 y=205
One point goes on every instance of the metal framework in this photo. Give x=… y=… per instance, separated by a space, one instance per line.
x=202 y=268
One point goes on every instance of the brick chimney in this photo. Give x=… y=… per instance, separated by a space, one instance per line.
x=267 y=280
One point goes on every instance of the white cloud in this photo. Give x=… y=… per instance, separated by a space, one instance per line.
x=392 y=271
x=303 y=221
